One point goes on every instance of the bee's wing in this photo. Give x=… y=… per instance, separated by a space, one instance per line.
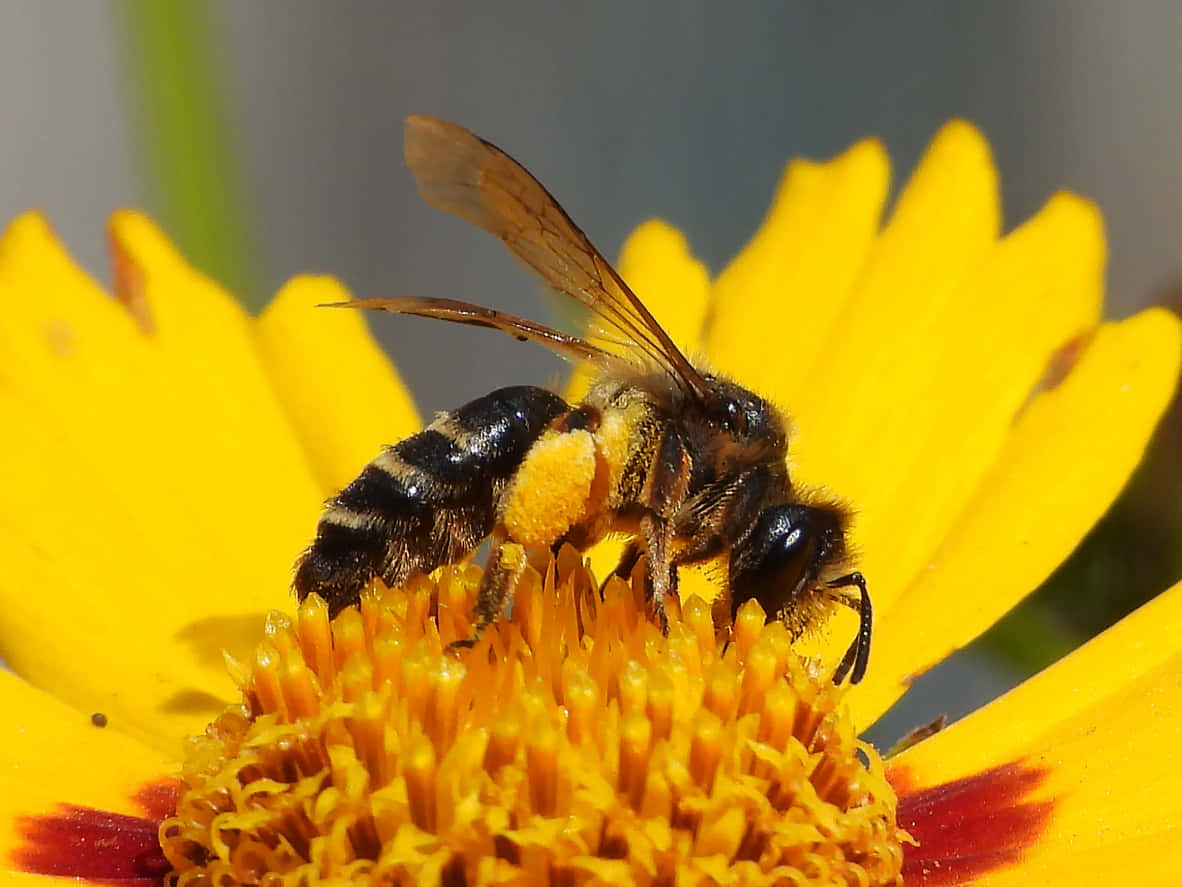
x=461 y=173
x=477 y=315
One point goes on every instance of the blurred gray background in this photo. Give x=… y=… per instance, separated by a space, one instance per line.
x=684 y=109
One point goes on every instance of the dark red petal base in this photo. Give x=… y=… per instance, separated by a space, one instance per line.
x=964 y=828
x=97 y=846
x=969 y=826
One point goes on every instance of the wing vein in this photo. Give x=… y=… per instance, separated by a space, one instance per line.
x=461 y=173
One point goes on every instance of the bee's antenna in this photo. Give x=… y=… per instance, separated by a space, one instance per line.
x=857 y=656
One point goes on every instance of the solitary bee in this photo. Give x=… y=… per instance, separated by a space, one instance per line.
x=691 y=466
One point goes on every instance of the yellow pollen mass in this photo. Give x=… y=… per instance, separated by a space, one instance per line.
x=550 y=491
x=614 y=441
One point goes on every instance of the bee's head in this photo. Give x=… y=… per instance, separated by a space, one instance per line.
x=744 y=415
x=784 y=554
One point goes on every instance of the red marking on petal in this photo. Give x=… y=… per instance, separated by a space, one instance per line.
x=129 y=284
x=1062 y=361
x=969 y=826
x=158 y=799
x=99 y=846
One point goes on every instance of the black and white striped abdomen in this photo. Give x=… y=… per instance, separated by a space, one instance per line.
x=426 y=501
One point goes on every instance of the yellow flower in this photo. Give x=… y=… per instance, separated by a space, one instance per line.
x=164 y=457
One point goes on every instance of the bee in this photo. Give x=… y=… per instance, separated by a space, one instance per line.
x=690 y=466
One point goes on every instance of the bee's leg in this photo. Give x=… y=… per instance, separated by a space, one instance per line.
x=626 y=565
x=706 y=547
x=701 y=549
x=664 y=493
x=505 y=566
x=857 y=656
x=661 y=572
x=548 y=494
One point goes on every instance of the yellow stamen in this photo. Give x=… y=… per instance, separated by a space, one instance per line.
x=574 y=744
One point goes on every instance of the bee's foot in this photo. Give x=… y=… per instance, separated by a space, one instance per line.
x=467 y=644
x=662 y=619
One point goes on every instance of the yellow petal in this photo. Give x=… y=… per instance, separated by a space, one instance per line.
x=1037 y=290
x=209 y=341
x=89 y=614
x=1081 y=684
x=51 y=754
x=1105 y=724
x=672 y=283
x=1066 y=459
x=945 y=221
x=154 y=488
x=775 y=304
x=341 y=393
x=855 y=412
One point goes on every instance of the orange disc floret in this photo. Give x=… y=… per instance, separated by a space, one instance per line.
x=574 y=744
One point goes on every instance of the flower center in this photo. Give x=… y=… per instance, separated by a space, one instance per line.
x=573 y=744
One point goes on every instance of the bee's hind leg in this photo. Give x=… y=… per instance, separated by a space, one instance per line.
x=547 y=495
x=661 y=572
x=625 y=566
x=506 y=564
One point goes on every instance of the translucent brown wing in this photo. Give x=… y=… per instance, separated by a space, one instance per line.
x=459 y=172
x=477 y=315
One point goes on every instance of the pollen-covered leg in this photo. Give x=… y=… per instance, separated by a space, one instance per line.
x=501 y=576
x=548 y=494
x=552 y=490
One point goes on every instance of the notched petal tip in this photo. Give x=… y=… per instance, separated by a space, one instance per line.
x=129 y=281
x=141 y=238
x=864 y=166
x=161 y=289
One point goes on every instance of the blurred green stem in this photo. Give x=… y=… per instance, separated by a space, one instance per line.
x=177 y=100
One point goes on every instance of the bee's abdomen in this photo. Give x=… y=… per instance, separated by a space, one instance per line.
x=426 y=501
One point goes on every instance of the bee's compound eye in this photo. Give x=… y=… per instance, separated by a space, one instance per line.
x=782 y=555
x=734 y=416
